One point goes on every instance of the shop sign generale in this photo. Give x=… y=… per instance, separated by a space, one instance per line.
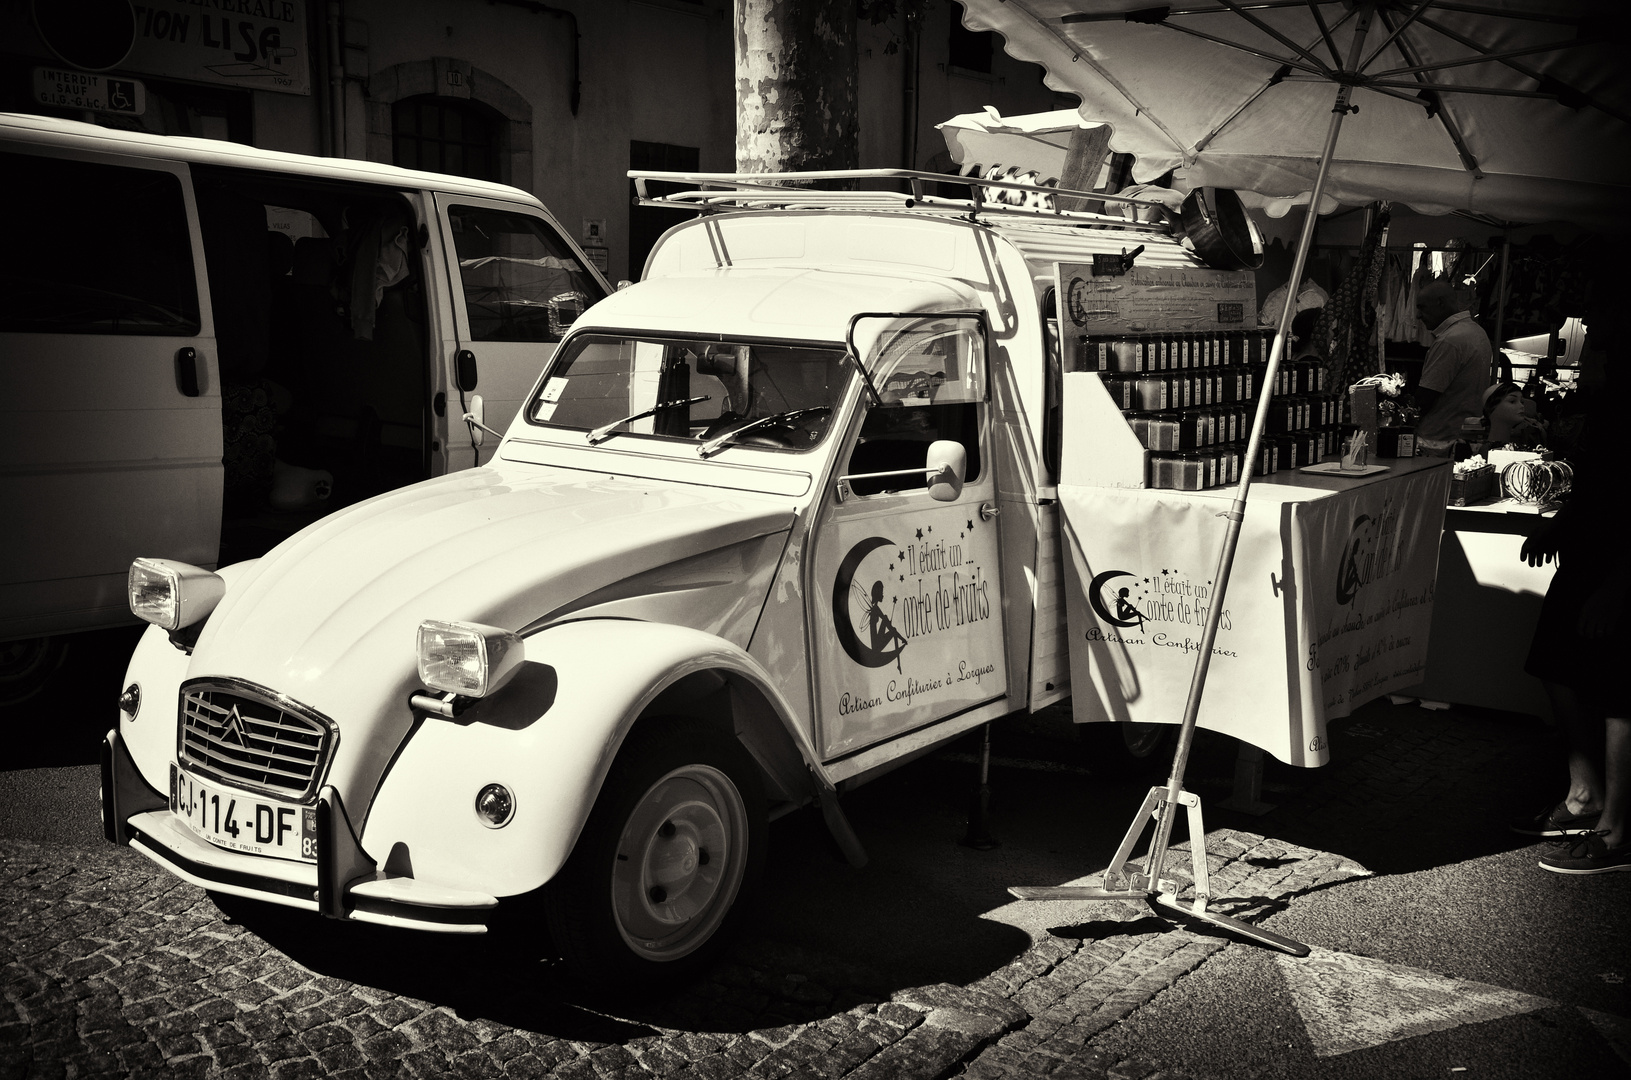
x=253 y=44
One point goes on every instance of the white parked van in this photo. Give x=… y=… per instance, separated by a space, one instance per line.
x=208 y=346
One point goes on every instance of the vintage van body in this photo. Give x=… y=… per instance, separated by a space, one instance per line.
x=775 y=520
x=180 y=317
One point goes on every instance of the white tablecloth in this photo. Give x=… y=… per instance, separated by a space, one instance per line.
x=1328 y=605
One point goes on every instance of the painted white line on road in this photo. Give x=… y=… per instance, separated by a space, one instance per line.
x=1351 y=1002
x=1615 y=1030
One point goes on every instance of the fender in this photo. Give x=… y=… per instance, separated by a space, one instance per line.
x=158 y=668
x=550 y=737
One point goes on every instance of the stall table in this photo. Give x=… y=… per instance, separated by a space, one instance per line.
x=1329 y=601
x=1485 y=608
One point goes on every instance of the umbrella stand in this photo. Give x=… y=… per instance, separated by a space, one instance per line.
x=1119 y=883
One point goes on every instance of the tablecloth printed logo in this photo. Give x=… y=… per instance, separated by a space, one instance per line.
x=1123 y=599
x=1373 y=552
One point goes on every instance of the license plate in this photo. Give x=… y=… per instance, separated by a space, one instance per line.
x=241 y=822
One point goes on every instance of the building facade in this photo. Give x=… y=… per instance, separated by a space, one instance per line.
x=560 y=99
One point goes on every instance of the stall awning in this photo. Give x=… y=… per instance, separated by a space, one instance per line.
x=1514 y=109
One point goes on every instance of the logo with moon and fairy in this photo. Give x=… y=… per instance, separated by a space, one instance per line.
x=1115 y=596
x=865 y=607
x=1131 y=601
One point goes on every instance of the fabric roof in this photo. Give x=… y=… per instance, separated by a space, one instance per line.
x=1253 y=116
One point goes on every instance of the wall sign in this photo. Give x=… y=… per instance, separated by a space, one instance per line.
x=254 y=44
x=81 y=90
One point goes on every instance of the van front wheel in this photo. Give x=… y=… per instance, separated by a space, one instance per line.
x=670 y=853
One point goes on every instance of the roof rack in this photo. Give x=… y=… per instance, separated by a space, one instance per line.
x=780 y=191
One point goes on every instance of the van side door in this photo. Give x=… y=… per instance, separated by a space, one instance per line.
x=110 y=427
x=517 y=285
x=906 y=606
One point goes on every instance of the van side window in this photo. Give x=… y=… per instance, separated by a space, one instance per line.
x=899 y=438
x=99 y=249
x=521 y=281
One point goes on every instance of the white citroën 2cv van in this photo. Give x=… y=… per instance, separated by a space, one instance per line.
x=773 y=520
x=208 y=346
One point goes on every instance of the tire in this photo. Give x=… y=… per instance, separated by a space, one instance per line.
x=1132 y=750
x=667 y=862
x=27 y=665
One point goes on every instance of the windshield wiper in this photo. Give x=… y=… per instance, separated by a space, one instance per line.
x=605 y=430
x=714 y=446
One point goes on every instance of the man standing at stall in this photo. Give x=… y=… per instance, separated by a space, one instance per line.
x=1457 y=371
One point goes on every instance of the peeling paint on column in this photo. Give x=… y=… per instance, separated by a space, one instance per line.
x=796 y=85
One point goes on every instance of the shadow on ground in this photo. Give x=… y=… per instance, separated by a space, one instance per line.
x=824 y=938
x=1410 y=789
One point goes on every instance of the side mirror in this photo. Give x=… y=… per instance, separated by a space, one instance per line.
x=946 y=464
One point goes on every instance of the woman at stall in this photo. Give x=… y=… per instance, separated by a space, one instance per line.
x=1583 y=634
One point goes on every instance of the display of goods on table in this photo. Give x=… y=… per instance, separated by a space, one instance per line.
x=1472 y=481
x=1531 y=476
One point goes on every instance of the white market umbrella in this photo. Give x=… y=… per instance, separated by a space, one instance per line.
x=1517 y=110
x=1255 y=96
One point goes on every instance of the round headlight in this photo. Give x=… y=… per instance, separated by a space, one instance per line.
x=495 y=806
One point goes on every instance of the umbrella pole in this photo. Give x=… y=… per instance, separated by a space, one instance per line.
x=1161 y=802
x=1500 y=311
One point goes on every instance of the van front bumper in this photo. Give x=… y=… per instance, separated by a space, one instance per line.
x=343 y=883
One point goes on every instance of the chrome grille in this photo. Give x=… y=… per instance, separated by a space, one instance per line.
x=249 y=737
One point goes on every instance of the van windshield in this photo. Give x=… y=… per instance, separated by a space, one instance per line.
x=779 y=397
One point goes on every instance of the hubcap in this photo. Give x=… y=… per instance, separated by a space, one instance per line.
x=679 y=862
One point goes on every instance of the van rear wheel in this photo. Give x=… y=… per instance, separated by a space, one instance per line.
x=26 y=665
x=666 y=863
x=1131 y=749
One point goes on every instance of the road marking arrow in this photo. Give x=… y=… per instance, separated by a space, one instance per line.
x=1351 y=1002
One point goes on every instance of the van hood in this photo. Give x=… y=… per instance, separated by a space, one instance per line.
x=330 y=617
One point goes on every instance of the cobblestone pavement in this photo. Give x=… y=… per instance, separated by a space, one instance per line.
x=112 y=967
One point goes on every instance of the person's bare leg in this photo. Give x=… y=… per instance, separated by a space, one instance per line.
x=1617 y=781
x=1583 y=730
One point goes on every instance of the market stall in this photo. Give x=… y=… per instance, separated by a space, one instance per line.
x=1485 y=606
x=1434 y=108
x=1330 y=604
x=1163 y=372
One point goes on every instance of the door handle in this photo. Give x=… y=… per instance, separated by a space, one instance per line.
x=988 y=511
x=464 y=370
x=187 y=371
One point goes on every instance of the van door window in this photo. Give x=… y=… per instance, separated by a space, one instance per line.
x=520 y=281
x=930 y=373
x=97 y=249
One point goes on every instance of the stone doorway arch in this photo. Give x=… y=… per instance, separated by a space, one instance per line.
x=445 y=76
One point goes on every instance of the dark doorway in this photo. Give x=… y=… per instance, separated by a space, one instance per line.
x=647 y=223
x=445 y=135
